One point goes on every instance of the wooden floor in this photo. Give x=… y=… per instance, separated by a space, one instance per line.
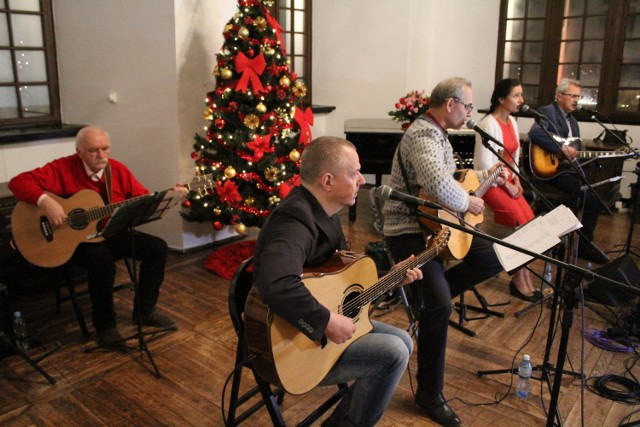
x=103 y=388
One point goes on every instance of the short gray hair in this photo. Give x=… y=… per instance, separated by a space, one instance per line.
x=452 y=87
x=323 y=154
x=82 y=133
x=565 y=83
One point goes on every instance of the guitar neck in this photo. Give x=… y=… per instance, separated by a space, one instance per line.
x=98 y=213
x=484 y=187
x=390 y=280
x=594 y=154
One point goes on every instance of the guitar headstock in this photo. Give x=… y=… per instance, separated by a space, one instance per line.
x=442 y=238
x=201 y=184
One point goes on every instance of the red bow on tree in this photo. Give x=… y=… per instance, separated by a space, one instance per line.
x=305 y=120
x=276 y=26
x=228 y=193
x=260 y=145
x=251 y=69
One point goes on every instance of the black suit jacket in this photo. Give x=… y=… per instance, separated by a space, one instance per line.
x=297 y=234
x=556 y=124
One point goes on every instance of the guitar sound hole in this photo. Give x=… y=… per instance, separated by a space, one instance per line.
x=351 y=304
x=77 y=219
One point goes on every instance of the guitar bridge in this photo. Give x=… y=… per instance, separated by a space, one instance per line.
x=45 y=228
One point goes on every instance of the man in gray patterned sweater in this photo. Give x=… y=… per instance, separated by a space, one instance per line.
x=427 y=157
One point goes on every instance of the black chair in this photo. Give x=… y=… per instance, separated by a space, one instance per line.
x=271 y=397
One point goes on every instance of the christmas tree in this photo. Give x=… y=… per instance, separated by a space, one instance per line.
x=257 y=126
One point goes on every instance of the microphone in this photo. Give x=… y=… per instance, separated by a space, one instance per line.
x=471 y=124
x=385 y=192
x=526 y=109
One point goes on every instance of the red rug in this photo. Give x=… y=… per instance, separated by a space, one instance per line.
x=225 y=261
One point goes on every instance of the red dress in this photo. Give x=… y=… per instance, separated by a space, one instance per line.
x=507 y=210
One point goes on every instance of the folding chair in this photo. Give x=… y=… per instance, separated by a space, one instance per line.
x=239 y=288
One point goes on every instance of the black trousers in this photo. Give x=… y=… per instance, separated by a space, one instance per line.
x=570 y=185
x=99 y=261
x=438 y=288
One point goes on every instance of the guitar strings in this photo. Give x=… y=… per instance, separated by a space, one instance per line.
x=351 y=308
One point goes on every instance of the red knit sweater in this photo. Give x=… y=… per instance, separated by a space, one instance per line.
x=66 y=176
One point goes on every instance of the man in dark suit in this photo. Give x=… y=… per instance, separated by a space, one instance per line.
x=304 y=231
x=560 y=121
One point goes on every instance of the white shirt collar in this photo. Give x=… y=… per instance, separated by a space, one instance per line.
x=94 y=176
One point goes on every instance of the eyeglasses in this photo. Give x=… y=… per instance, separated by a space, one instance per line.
x=572 y=95
x=468 y=107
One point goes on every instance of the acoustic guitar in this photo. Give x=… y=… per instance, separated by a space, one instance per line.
x=459 y=242
x=346 y=284
x=44 y=245
x=545 y=165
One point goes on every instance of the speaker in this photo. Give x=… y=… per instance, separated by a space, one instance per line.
x=623 y=270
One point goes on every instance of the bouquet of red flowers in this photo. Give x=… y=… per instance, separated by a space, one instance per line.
x=411 y=106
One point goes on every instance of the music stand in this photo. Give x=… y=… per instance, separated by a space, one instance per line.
x=124 y=219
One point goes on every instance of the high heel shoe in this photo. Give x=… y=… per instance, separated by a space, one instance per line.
x=513 y=290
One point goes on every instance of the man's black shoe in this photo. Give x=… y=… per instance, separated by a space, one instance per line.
x=593 y=254
x=438 y=410
x=157 y=319
x=110 y=338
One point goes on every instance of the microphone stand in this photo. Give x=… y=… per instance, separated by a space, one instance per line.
x=573 y=279
x=621 y=140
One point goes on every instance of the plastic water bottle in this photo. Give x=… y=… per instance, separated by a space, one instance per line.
x=524 y=377
x=20 y=331
x=548 y=279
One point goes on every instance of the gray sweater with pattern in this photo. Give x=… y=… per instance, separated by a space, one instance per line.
x=428 y=160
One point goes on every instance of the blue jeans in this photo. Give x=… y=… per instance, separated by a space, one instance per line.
x=376 y=362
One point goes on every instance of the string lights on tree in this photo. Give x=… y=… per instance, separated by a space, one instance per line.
x=257 y=127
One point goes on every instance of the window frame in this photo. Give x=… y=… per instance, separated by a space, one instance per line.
x=614 y=38
x=49 y=49
x=290 y=6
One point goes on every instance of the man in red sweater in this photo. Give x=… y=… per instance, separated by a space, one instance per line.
x=91 y=168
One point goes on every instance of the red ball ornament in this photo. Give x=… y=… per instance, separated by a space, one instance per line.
x=194 y=155
x=217 y=225
x=250 y=52
x=219 y=123
x=186 y=203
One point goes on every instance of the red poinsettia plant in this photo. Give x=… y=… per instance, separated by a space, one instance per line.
x=411 y=106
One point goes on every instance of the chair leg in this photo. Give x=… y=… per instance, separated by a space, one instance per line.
x=76 y=306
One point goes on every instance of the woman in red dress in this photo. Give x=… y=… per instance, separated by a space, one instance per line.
x=506 y=201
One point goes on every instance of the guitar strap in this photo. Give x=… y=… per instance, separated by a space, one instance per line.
x=107 y=182
x=406 y=183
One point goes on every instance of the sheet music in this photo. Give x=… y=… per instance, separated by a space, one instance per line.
x=538 y=235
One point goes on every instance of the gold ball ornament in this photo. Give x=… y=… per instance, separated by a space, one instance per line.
x=269 y=51
x=294 y=155
x=229 y=172
x=207 y=114
x=241 y=228
x=243 y=32
x=227 y=28
x=226 y=73
x=217 y=211
x=284 y=81
x=261 y=108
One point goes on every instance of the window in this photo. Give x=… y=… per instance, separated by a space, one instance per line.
x=542 y=41
x=294 y=17
x=28 y=75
